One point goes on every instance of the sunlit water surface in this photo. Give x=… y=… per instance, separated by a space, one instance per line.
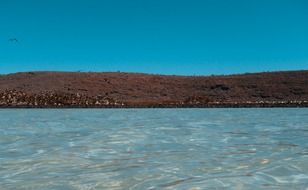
x=154 y=149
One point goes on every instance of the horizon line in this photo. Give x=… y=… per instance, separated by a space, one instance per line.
x=145 y=73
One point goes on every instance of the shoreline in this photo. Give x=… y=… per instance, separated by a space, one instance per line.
x=222 y=105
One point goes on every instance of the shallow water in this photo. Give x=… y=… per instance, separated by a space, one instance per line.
x=154 y=149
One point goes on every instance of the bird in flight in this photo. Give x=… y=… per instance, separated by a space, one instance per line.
x=13 y=40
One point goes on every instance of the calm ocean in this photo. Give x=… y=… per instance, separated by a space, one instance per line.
x=186 y=149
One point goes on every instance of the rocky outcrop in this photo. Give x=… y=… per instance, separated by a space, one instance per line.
x=18 y=99
x=13 y=98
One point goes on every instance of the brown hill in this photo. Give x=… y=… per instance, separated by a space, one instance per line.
x=53 y=89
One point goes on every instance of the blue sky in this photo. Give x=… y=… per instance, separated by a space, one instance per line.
x=155 y=36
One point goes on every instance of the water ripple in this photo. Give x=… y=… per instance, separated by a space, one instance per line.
x=186 y=149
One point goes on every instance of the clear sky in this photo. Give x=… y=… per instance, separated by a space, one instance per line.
x=155 y=36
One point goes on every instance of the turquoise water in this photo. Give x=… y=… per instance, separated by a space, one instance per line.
x=187 y=149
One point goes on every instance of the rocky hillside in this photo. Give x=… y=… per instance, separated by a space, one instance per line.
x=68 y=89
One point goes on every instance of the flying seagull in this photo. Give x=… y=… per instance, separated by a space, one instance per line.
x=13 y=40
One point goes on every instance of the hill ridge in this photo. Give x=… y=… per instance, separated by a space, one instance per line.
x=120 y=89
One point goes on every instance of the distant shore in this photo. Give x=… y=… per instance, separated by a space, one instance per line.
x=136 y=90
